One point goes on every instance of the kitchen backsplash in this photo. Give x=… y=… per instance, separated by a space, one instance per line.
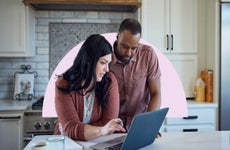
x=46 y=20
x=74 y=34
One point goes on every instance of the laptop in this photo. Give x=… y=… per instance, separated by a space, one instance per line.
x=142 y=132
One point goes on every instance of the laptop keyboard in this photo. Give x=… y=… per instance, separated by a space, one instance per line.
x=115 y=147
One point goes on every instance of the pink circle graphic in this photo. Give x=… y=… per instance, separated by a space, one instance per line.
x=172 y=91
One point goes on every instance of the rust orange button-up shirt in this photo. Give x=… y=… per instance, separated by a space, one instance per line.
x=133 y=81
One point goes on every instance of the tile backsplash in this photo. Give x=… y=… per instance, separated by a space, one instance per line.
x=64 y=36
x=42 y=63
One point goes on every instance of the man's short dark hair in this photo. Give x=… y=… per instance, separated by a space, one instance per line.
x=130 y=24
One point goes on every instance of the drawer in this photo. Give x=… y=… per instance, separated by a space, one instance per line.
x=189 y=128
x=195 y=116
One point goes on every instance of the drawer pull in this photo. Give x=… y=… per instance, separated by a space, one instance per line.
x=190 y=117
x=190 y=130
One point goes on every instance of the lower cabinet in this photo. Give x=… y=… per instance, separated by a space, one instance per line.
x=189 y=128
x=11 y=131
x=201 y=117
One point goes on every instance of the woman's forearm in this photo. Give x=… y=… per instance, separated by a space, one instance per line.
x=92 y=132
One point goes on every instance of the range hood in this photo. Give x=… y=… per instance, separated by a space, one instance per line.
x=85 y=5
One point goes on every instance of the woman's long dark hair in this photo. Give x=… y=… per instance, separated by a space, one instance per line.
x=83 y=70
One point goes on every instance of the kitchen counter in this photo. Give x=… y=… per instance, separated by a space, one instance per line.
x=14 y=105
x=216 y=140
x=194 y=104
x=7 y=105
x=69 y=143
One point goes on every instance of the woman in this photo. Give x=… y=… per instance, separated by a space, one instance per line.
x=86 y=95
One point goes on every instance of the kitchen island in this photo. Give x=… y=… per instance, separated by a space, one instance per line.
x=215 y=140
x=69 y=144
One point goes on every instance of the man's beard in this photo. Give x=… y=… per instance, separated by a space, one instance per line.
x=120 y=58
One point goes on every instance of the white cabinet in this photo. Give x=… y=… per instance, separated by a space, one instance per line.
x=11 y=129
x=170 y=25
x=186 y=67
x=201 y=117
x=17 y=29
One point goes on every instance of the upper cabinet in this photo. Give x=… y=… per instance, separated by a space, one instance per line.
x=17 y=29
x=170 y=25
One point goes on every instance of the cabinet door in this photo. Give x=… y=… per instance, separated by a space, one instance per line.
x=183 y=26
x=15 y=29
x=170 y=25
x=154 y=17
x=186 y=67
x=11 y=131
x=12 y=14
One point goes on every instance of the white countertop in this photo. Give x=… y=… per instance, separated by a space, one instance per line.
x=215 y=140
x=11 y=105
x=7 y=105
x=194 y=104
x=69 y=144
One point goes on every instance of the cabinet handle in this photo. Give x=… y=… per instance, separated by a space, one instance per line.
x=190 y=117
x=172 y=41
x=167 y=38
x=6 y=118
x=190 y=130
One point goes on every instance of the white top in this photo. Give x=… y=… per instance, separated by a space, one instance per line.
x=88 y=107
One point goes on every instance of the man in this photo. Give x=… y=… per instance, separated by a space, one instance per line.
x=137 y=70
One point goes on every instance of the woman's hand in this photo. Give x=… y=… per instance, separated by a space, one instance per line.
x=92 y=132
x=112 y=126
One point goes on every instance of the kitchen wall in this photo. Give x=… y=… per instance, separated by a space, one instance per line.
x=40 y=63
